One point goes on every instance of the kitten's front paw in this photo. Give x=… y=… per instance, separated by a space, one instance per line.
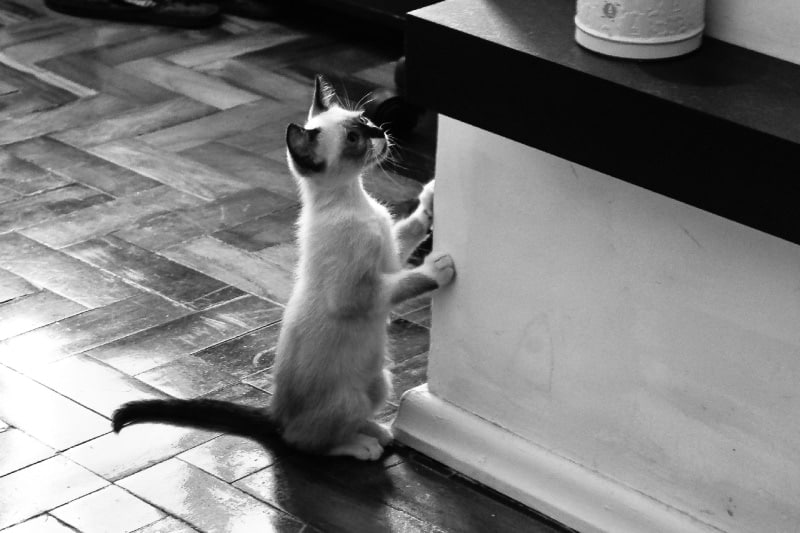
x=442 y=268
x=426 y=197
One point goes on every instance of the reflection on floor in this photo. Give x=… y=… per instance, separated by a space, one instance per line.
x=146 y=249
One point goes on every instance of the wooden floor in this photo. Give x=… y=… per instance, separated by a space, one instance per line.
x=146 y=251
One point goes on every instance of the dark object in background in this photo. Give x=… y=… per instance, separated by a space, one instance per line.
x=392 y=112
x=165 y=12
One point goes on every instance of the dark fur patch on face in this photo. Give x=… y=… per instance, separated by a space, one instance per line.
x=359 y=133
x=302 y=144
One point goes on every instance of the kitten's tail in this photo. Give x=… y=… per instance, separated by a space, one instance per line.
x=213 y=415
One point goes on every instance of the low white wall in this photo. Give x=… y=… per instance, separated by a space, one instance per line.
x=646 y=340
x=771 y=27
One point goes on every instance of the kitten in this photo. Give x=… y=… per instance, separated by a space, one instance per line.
x=329 y=376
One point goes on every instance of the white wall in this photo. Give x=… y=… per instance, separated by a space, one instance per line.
x=771 y=27
x=647 y=340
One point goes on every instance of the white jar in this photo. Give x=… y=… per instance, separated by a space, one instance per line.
x=640 y=29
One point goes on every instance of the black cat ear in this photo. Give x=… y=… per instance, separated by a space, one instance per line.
x=323 y=96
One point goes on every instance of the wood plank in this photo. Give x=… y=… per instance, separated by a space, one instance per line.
x=235 y=267
x=139 y=121
x=37 y=208
x=272 y=35
x=166 y=229
x=34 y=29
x=13 y=286
x=179 y=172
x=87 y=330
x=45 y=415
x=59 y=273
x=153 y=272
x=83 y=69
x=24 y=177
x=92 y=384
x=107 y=217
x=262 y=232
x=204 y=501
x=30 y=312
x=81 y=166
x=78 y=113
x=65 y=481
x=255 y=170
x=190 y=334
x=218 y=125
x=262 y=81
x=188 y=82
x=82 y=38
x=108 y=509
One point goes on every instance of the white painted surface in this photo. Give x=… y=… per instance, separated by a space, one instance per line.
x=771 y=27
x=557 y=487
x=644 y=339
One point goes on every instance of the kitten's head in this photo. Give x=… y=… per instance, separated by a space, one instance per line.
x=336 y=143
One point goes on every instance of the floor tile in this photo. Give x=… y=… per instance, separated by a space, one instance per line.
x=20 y=450
x=107 y=217
x=139 y=121
x=109 y=510
x=196 y=85
x=235 y=267
x=178 y=172
x=235 y=356
x=114 y=456
x=41 y=524
x=153 y=272
x=35 y=310
x=87 y=330
x=187 y=377
x=25 y=493
x=167 y=229
x=204 y=501
x=59 y=273
x=93 y=384
x=228 y=457
x=192 y=333
x=242 y=394
x=13 y=286
x=45 y=415
x=37 y=208
x=7 y=195
x=80 y=166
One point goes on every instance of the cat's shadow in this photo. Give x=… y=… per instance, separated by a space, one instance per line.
x=335 y=493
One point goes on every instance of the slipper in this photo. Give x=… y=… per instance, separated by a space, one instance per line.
x=184 y=14
x=250 y=9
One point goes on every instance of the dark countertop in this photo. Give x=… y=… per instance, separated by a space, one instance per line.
x=718 y=129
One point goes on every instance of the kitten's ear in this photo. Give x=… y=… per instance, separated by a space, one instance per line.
x=323 y=96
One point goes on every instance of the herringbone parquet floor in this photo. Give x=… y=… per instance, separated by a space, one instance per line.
x=146 y=248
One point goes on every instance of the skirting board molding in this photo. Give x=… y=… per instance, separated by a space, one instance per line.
x=553 y=485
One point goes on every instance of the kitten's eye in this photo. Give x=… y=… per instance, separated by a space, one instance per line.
x=353 y=137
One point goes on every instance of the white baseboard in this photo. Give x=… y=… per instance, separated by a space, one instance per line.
x=555 y=486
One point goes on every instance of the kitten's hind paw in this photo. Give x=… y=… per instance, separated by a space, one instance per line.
x=440 y=267
x=362 y=447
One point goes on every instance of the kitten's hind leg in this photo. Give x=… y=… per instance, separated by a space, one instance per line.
x=363 y=447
